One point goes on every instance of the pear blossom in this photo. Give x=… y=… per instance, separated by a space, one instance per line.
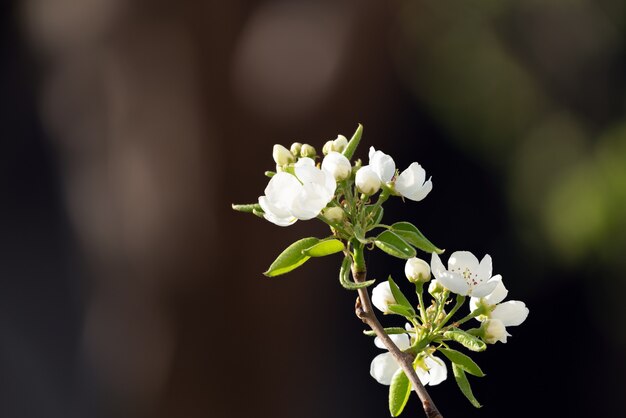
x=431 y=370
x=307 y=151
x=412 y=183
x=382 y=297
x=417 y=270
x=465 y=275
x=510 y=314
x=301 y=196
x=282 y=155
x=494 y=331
x=382 y=164
x=340 y=143
x=367 y=181
x=334 y=214
x=337 y=165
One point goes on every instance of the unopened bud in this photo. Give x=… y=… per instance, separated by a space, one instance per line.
x=307 y=151
x=382 y=297
x=328 y=147
x=367 y=181
x=340 y=143
x=295 y=149
x=337 y=165
x=282 y=156
x=417 y=270
x=334 y=214
x=435 y=288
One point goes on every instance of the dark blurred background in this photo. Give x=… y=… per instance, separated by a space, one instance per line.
x=128 y=288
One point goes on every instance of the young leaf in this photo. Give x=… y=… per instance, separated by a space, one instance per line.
x=353 y=143
x=466 y=389
x=324 y=248
x=399 y=392
x=401 y=310
x=388 y=331
x=393 y=245
x=398 y=295
x=291 y=258
x=462 y=361
x=247 y=208
x=344 y=276
x=466 y=340
x=413 y=236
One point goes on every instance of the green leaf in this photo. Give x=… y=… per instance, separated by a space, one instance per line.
x=373 y=214
x=393 y=245
x=466 y=340
x=353 y=143
x=464 y=385
x=247 y=208
x=401 y=310
x=413 y=236
x=291 y=258
x=344 y=276
x=324 y=248
x=388 y=331
x=399 y=392
x=462 y=361
x=398 y=295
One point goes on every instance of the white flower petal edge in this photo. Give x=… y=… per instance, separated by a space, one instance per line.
x=410 y=183
x=511 y=313
x=401 y=340
x=383 y=367
x=382 y=297
x=278 y=199
x=337 y=165
x=432 y=372
x=382 y=164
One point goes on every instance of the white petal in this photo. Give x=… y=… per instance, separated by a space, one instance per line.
x=483 y=272
x=271 y=214
x=366 y=180
x=437 y=370
x=401 y=340
x=483 y=289
x=495 y=331
x=337 y=165
x=455 y=283
x=383 y=367
x=499 y=293
x=383 y=165
x=307 y=172
x=410 y=183
x=423 y=375
x=382 y=297
x=279 y=196
x=511 y=313
x=436 y=266
x=461 y=261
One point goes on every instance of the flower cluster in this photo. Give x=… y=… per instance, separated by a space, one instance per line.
x=344 y=194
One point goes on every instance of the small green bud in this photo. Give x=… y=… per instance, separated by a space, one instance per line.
x=307 y=151
x=435 y=288
x=328 y=147
x=334 y=214
x=296 y=148
x=282 y=156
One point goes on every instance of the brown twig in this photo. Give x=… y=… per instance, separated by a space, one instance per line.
x=366 y=313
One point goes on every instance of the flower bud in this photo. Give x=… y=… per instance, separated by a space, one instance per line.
x=307 y=151
x=337 y=165
x=334 y=214
x=382 y=297
x=417 y=270
x=282 y=156
x=493 y=331
x=328 y=147
x=367 y=181
x=295 y=148
x=340 y=143
x=435 y=288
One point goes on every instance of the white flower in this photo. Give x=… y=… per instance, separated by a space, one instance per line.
x=417 y=270
x=303 y=196
x=367 y=181
x=510 y=314
x=340 y=143
x=337 y=165
x=494 y=331
x=411 y=183
x=382 y=297
x=382 y=164
x=465 y=275
x=282 y=155
x=430 y=370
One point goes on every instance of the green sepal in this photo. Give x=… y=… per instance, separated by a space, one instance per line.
x=463 y=361
x=464 y=385
x=258 y=213
x=324 y=248
x=465 y=339
x=353 y=143
x=291 y=258
x=394 y=245
x=399 y=392
x=401 y=310
x=388 y=331
x=269 y=174
x=344 y=276
x=413 y=236
x=247 y=208
x=398 y=295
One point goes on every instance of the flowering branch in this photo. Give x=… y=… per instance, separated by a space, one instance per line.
x=365 y=312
